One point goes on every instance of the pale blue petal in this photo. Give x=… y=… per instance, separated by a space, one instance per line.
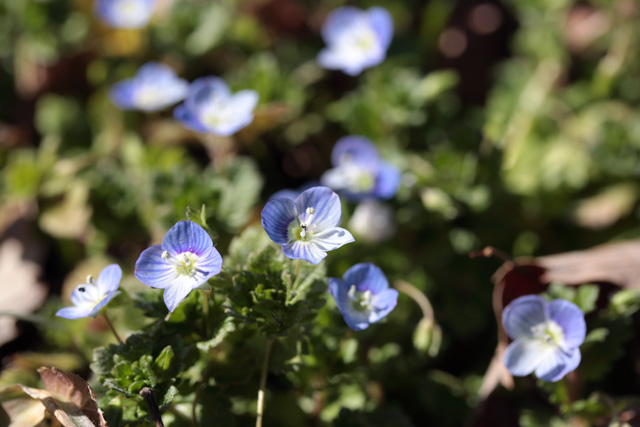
x=153 y=71
x=109 y=279
x=178 y=291
x=85 y=294
x=332 y=238
x=189 y=119
x=187 y=236
x=335 y=59
x=153 y=270
x=208 y=266
x=382 y=24
x=366 y=277
x=354 y=148
x=522 y=314
x=571 y=319
x=570 y=362
x=556 y=364
x=74 y=312
x=339 y=19
x=326 y=204
x=305 y=251
x=383 y=304
x=524 y=356
x=387 y=181
x=243 y=102
x=122 y=94
x=203 y=90
x=104 y=302
x=277 y=215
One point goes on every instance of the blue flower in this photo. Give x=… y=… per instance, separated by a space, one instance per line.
x=359 y=172
x=363 y=295
x=88 y=299
x=128 y=14
x=210 y=107
x=306 y=227
x=185 y=260
x=153 y=88
x=546 y=337
x=356 y=39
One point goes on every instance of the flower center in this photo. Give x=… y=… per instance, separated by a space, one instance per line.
x=550 y=333
x=303 y=230
x=361 y=301
x=184 y=263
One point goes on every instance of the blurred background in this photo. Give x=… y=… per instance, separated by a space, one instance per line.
x=515 y=123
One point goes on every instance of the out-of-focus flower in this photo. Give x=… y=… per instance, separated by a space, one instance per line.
x=185 y=260
x=359 y=172
x=356 y=39
x=210 y=107
x=547 y=337
x=363 y=295
x=88 y=299
x=372 y=221
x=306 y=227
x=153 y=88
x=292 y=194
x=127 y=14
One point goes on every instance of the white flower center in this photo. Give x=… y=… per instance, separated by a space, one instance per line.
x=186 y=263
x=361 y=301
x=550 y=333
x=303 y=230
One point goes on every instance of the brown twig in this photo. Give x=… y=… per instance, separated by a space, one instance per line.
x=150 y=397
x=491 y=252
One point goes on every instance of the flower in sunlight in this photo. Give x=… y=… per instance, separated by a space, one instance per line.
x=363 y=295
x=126 y=14
x=546 y=337
x=153 y=88
x=89 y=298
x=356 y=39
x=185 y=260
x=306 y=227
x=359 y=172
x=210 y=107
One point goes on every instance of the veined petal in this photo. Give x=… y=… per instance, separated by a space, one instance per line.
x=277 y=215
x=174 y=294
x=153 y=270
x=332 y=238
x=187 y=236
x=383 y=304
x=387 y=181
x=326 y=205
x=522 y=314
x=74 y=312
x=556 y=364
x=366 y=277
x=109 y=279
x=96 y=310
x=208 y=266
x=86 y=295
x=571 y=362
x=571 y=319
x=382 y=24
x=303 y=250
x=524 y=356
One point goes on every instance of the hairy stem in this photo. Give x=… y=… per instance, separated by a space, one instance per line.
x=263 y=383
x=104 y=314
x=205 y=312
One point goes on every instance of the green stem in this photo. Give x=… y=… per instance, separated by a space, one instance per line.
x=104 y=314
x=263 y=383
x=416 y=295
x=295 y=274
x=205 y=312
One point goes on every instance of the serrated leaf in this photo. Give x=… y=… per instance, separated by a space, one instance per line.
x=163 y=363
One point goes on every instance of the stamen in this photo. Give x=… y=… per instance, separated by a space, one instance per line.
x=352 y=291
x=81 y=289
x=166 y=255
x=89 y=279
